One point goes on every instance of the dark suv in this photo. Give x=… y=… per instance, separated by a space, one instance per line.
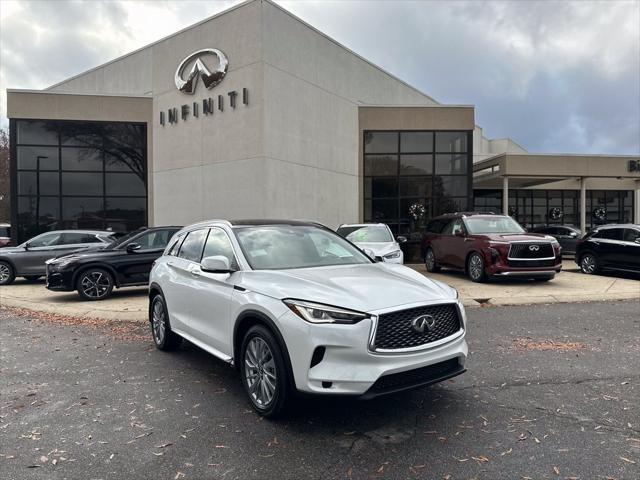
x=610 y=247
x=126 y=262
x=486 y=245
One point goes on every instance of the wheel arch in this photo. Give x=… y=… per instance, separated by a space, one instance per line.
x=11 y=264
x=155 y=289
x=248 y=319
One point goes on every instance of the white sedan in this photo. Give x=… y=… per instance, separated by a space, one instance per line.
x=295 y=307
x=375 y=237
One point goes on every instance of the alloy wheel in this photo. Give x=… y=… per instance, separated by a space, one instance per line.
x=430 y=260
x=588 y=264
x=476 y=267
x=95 y=284
x=5 y=273
x=260 y=372
x=159 y=322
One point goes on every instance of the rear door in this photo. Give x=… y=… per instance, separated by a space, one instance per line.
x=631 y=255
x=134 y=267
x=47 y=246
x=610 y=246
x=181 y=279
x=453 y=245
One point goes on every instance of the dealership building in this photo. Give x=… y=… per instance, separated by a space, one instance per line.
x=253 y=113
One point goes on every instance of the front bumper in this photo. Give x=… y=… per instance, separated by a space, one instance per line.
x=59 y=281
x=500 y=267
x=349 y=367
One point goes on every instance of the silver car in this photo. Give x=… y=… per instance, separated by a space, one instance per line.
x=28 y=259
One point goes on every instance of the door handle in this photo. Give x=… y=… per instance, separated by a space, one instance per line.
x=171 y=264
x=195 y=272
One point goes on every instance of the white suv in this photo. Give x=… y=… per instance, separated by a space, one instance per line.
x=296 y=307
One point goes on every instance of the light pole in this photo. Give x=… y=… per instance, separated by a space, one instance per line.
x=38 y=158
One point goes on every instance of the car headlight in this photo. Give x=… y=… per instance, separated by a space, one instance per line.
x=319 y=313
x=60 y=264
x=392 y=255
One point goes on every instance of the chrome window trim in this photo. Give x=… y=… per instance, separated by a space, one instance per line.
x=419 y=348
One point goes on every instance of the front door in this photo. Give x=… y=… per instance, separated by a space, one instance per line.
x=211 y=295
x=453 y=244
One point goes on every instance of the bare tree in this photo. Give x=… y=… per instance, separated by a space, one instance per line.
x=5 y=197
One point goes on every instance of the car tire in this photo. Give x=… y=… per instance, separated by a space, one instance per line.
x=163 y=337
x=430 y=261
x=475 y=268
x=7 y=273
x=263 y=372
x=32 y=278
x=94 y=284
x=589 y=264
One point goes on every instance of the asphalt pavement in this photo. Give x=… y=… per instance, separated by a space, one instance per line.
x=552 y=391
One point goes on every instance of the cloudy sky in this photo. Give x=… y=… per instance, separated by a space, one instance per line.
x=554 y=76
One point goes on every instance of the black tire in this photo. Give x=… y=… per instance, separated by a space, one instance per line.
x=94 y=284
x=263 y=373
x=589 y=264
x=32 y=278
x=7 y=273
x=430 y=261
x=475 y=268
x=163 y=337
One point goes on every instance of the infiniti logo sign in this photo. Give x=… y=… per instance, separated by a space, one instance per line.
x=200 y=69
x=534 y=248
x=423 y=323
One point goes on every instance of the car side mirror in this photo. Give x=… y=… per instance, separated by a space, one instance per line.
x=401 y=239
x=370 y=253
x=637 y=240
x=216 y=264
x=132 y=247
x=460 y=233
x=27 y=246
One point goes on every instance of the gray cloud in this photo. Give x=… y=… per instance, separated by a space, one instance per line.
x=554 y=76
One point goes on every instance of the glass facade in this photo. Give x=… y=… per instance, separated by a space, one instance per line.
x=411 y=176
x=534 y=208
x=78 y=175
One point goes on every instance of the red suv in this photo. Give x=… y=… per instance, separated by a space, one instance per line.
x=485 y=245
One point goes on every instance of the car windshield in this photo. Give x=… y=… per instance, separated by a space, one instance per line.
x=366 y=233
x=277 y=247
x=480 y=225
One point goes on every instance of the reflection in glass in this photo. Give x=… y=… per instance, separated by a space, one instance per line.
x=81 y=159
x=124 y=184
x=37 y=132
x=82 y=183
x=421 y=142
x=415 y=186
x=381 y=187
x=416 y=164
x=80 y=210
x=384 y=210
x=455 y=186
x=451 y=164
x=381 y=165
x=126 y=160
x=28 y=158
x=380 y=142
x=27 y=183
x=451 y=142
x=125 y=214
x=49 y=183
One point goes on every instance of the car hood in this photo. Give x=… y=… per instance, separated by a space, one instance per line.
x=91 y=252
x=379 y=248
x=366 y=287
x=517 y=237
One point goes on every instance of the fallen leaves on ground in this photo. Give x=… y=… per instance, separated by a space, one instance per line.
x=527 y=344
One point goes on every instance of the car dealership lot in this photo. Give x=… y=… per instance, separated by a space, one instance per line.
x=132 y=303
x=551 y=392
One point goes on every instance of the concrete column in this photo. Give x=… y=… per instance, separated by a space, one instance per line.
x=583 y=204
x=505 y=195
x=636 y=204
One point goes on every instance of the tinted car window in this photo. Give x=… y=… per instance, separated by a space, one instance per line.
x=46 y=240
x=153 y=239
x=631 y=235
x=173 y=251
x=435 y=226
x=192 y=246
x=73 y=238
x=218 y=244
x=453 y=227
x=610 y=234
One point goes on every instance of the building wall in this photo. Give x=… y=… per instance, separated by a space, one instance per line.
x=312 y=89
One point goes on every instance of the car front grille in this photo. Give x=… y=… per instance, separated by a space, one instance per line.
x=532 y=263
x=531 y=250
x=395 y=330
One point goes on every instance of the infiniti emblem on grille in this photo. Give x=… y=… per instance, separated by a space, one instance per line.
x=423 y=323
x=534 y=248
